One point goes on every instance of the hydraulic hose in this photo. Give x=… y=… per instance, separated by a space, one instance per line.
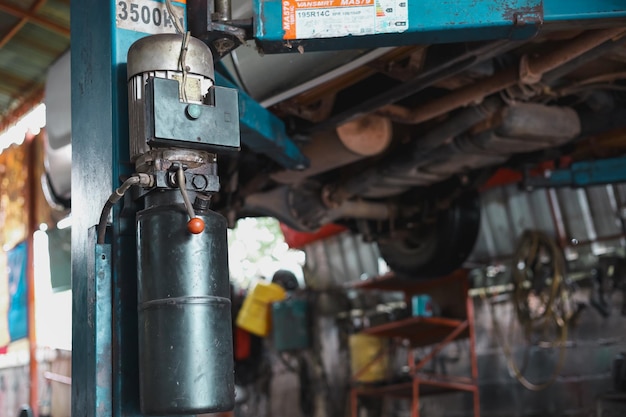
x=136 y=179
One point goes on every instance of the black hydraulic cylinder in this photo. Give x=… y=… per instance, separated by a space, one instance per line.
x=185 y=333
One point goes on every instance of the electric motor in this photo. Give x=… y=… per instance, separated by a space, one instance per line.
x=159 y=56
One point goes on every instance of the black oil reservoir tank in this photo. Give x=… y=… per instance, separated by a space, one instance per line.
x=185 y=327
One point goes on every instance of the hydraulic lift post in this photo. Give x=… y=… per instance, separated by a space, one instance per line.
x=104 y=335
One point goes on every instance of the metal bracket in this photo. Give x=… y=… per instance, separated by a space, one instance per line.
x=216 y=128
x=526 y=75
x=175 y=123
x=203 y=183
x=101 y=318
x=93 y=331
x=219 y=32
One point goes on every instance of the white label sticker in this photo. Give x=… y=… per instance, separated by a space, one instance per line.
x=147 y=16
x=334 y=18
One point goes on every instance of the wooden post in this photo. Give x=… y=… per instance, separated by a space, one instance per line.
x=33 y=184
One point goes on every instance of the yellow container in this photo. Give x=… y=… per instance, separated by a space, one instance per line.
x=369 y=358
x=255 y=314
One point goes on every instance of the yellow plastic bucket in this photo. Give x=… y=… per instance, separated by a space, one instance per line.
x=255 y=314
x=369 y=358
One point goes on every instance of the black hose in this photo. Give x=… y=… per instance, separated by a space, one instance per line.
x=136 y=179
x=102 y=223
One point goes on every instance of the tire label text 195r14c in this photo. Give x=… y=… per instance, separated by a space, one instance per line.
x=305 y=19
x=147 y=16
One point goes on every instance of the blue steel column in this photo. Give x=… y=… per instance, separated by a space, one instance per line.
x=93 y=127
x=104 y=358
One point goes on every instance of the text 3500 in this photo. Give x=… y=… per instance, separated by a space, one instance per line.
x=145 y=16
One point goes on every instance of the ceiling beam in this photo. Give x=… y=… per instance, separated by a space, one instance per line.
x=38 y=45
x=20 y=24
x=30 y=15
x=8 y=93
x=15 y=80
x=23 y=106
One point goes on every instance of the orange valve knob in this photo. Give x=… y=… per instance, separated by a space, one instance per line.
x=195 y=225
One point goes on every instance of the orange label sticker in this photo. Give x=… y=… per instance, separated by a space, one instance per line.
x=305 y=19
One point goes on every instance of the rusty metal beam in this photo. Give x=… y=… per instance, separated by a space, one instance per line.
x=20 y=24
x=28 y=102
x=530 y=71
x=30 y=91
x=30 y=15
x=9 y=90
x=14 y=80
x=39 y=46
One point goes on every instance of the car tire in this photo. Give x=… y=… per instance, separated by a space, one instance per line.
x=439 y=248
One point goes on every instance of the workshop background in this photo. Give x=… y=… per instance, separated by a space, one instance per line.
x=532 y=324
x=315 y=379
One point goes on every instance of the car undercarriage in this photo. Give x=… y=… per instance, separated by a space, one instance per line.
x=400 y=145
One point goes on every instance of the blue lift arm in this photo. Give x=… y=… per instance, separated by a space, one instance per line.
x=264 y=133
x=583 y=174
x=313 y=25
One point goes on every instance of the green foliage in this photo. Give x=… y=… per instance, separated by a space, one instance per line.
x=257 y=249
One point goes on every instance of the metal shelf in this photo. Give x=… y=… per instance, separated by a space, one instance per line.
x=426 y=386
x=450 y=293
x=420 y=331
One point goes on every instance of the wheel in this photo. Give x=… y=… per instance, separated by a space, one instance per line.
x=436 y=249
x=25 y=411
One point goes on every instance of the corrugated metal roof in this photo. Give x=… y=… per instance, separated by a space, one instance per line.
x=33 y=34
x=585 y=221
